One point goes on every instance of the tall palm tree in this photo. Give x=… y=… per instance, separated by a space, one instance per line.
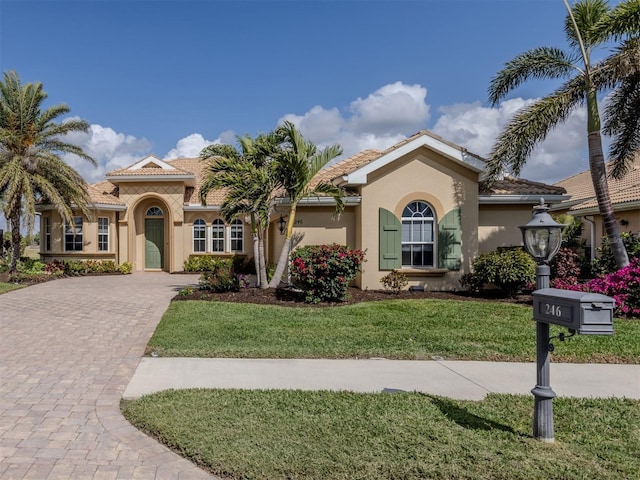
x=249 y=177
x=582 y=83
x=297 y=164
x=31 y=169
x=622 y=70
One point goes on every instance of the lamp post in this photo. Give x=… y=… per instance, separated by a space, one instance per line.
x=542 y=238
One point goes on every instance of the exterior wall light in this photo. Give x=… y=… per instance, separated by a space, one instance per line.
x=282 y=225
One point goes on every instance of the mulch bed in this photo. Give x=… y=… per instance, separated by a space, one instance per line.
x=289 y=298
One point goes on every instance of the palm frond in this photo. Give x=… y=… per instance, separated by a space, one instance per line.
x=538 y=63
x=623 y=21
x=587 y=13
x=529 y=126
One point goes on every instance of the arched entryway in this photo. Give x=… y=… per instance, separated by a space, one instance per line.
x=154 y=239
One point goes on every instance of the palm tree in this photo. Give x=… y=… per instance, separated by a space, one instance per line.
x=622 y=68
x=584 y=26
x=31 y=169
x=249 y=177
x=297 y=164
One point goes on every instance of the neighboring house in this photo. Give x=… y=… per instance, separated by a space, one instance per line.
x=416 y=206
x=625 y=199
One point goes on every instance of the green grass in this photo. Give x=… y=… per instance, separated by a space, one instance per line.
x=321 y=435
x=395 y=329
x=7 y=287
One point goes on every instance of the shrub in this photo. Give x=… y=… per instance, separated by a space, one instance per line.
x=220 y=278
x=55 y=267
x=510 y=270
x=126 y=268
x=30 y=266
x=565 y=268
x=199 y=263
x=324 y=272
x=394 y=281
x=623 y=286
x=605 y=263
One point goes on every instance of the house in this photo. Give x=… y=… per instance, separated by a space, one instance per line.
x=416 y=206
x=625 y=199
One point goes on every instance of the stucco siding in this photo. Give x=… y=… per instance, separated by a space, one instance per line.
x=427 y=176
x=498 y=226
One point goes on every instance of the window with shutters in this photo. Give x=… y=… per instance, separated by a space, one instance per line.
x=418 y=235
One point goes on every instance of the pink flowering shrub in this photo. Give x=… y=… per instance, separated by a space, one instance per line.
x=623 y=286
x=324 y=272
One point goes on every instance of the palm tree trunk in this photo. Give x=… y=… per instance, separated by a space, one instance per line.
x=284 y=253
x=256 y=253
x=15 y=238
x=601 y=187
x=262 y=267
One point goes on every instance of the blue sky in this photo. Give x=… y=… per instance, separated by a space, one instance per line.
x=169 y=77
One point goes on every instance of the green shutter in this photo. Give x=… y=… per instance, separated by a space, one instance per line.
x=390 y=256
x=450 y=240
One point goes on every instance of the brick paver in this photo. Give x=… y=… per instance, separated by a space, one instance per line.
x=68 y=348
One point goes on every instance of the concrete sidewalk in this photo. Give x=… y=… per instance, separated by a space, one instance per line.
x=454 y=379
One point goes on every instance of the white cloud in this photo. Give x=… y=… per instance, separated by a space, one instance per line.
x=393 y=109
x=563 y=153
x=189 y=146
x=111 y=150
x=378 y=121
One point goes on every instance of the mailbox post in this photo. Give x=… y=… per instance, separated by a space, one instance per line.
x=581 y=312
x=542 y=237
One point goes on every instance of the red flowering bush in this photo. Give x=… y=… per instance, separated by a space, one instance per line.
x=323 y=272
x=565 y=268
x=623 y=286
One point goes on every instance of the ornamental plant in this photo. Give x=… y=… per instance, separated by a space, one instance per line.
x=323 y=272
x=394 y=281
x=510 y=270
x=623 y=286
x=565 y=268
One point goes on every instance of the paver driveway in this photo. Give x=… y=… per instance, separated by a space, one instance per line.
x=67 y=351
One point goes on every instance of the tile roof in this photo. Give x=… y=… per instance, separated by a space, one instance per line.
x=346 y=166
x=146 y=171
x=520 y=186
x=198 y=167
x=104 y=193
x=333 y=173
x=622 y=191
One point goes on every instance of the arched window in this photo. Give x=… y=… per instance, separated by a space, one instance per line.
x=418 y=235
x=154 y=212
x=217 y=236
x=236 y=235
x=199 y=235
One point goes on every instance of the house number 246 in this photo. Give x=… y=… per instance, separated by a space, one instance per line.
x=553 y=310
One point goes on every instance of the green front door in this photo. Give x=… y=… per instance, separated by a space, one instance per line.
x=153 y=244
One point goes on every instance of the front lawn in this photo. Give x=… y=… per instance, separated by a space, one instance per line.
x=393 y=329
x=7 y=287
x=321 y=435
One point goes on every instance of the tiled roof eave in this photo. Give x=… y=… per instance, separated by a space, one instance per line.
x=494 y=198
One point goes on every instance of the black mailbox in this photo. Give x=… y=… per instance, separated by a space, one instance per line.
x=587 y=313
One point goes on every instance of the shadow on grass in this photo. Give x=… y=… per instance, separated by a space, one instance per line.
x=466 y=419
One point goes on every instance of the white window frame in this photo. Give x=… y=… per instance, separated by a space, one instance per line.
x=236 y=236
x=104 y=234
x=199 y=236
x=420 y=214
x=47 y=234
x=218 y=236
x=76 y=231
